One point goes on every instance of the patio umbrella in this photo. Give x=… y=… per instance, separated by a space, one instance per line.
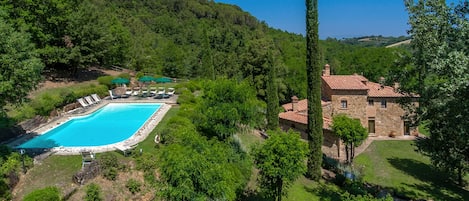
x=120 y=80
x=163 y=80
x=146 y=79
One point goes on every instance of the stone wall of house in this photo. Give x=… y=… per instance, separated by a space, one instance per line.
x=356 y=104
x=389 y=120
x=327 y=111
x=331 y=146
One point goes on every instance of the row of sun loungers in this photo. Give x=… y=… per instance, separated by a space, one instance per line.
x=145 y=92
x=89 y=100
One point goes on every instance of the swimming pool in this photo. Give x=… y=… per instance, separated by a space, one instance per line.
x=111 y=124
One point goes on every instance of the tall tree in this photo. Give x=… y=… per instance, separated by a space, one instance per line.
x=19 y=63
x=351 y=132
x=313 y=72
x=272 y=96
x=439 y=74
x=224 y=106
x=280 y=161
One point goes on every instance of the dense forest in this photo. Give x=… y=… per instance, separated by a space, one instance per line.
x=180 y=38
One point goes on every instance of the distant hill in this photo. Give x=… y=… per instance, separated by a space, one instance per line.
x=406 y=42
x=375 y=41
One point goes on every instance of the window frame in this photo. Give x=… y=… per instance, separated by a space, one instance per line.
x=384 y=103
x=342 y=104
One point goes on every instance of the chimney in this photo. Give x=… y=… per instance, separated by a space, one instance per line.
x=294 y=103
x=396 y=86
x=327 y=70
x=382 y=80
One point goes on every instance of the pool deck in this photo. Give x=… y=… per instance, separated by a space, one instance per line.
x=129 y=143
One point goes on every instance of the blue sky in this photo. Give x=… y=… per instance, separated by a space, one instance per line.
x=337 y=18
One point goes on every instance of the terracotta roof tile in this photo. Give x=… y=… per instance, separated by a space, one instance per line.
x=345 y=82
x=302 y=105
x=302 y=118
x=376 y=90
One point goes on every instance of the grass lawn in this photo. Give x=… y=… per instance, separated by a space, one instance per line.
x=301 y=189
x=53 y=171
x=397 y=166
x=148 y=145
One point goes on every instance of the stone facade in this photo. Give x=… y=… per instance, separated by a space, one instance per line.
x=375 y=105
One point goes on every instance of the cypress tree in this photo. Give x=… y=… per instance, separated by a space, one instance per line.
x=313 y=71
x=272 y=95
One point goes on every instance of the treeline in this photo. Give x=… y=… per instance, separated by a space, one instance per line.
x=180 y=38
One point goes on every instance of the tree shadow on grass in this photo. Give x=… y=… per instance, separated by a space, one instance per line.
x=325 y=192
x=436 y=183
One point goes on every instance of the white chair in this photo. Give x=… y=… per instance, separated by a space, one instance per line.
x=129 y=91
x=112 y=95
x=144 y=91
x=89 y=100
x=170 y=91
x=82 y=103
x=136 y=91
x=152 y=90
x=161 y=90
x=96 y=98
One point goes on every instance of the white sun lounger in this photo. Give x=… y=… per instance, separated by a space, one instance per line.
x=112 y=95
x=153 y=90
x=82 y=103
x=124 y=148
x=161 y=90
x=170 y=91
x=89 y=100
x=129 y=91
x=96 y=98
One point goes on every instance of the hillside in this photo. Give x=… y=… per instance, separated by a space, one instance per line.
x=179 y=38
x=374 y=41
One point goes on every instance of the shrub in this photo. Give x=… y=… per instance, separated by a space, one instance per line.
x=106 y=80
x=186 y=97
x=109 y=164
x=110 y=173
x=124 y=75
x=93 y=193
x=146 y=162
x=108 y=160
x=50 y=193
x=133 y=186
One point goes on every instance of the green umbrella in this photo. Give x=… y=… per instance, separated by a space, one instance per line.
x=120 y=80
x=163 y=80
x=146 y=79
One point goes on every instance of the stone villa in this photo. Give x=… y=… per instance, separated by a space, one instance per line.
x=373 y=103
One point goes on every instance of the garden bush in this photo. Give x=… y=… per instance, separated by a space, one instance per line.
x=93 y=193
x=133 y=186
x=49 y=193
x=124 y=75
x=108 y=160
x=106 y=80
x=110 y=173
x=44 y=102
x=186 y=97
x=109 y=165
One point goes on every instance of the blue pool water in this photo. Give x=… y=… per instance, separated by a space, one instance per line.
x=113 y=123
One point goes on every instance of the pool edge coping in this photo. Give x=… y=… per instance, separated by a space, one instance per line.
x=133 y=140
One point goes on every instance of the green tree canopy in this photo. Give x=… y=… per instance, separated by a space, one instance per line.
x=281 y=160
x=439 y=74
x=194 y=168
x=351 y=132
x=225 y=105
x=19 y=64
